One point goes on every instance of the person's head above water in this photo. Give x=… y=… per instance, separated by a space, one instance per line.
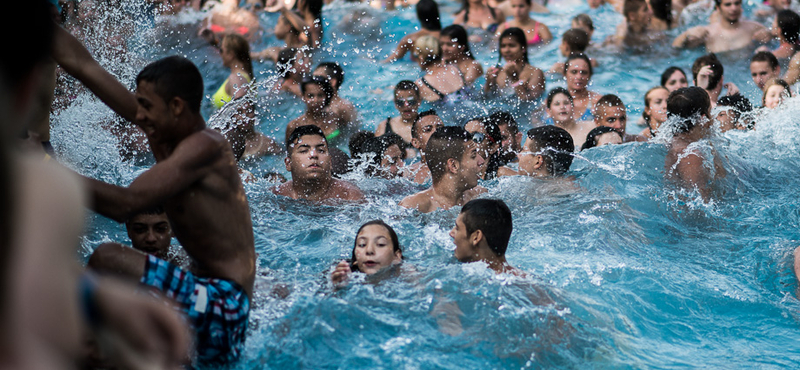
x=637 y=12
x=307 y=157
x=424 y=126
x=710 y=60
x=150 y=232
x=513 y=45
x=428 y=15
x=578 y=71
x=788 y=23
x=574 y=40
x=239 y=49
x=175 y=80
x=674 y=78
x=427 y=50
x=584 y=22
x=548 y=152
x=775 y=92
x=689 y=106
x=454 y=42
x=559 y=105
x=384 y=154
x=764 y=66
x=611 y=112
x=292 y=61
x=482 y=230
x=317 y=92
x=731 y=111
x=662 y=9
x=333 y=72
x=600 y=136
x=655 y=107
x=451 y=151
x=729 y=10
x=375 y=248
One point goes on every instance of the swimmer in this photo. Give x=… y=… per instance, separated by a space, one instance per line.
x=309 y=162
x=708 y=73
x=673 y=79
x=227 y=17
x=517 y=78
x=764 y=66
x=664 y=14
x=317 y=94
x=510 y=137
x=775 y=92
x=734 y=113
x=477 y=14
x=786 y=28
x=536 y=33
x=481 y=233
x=384 y=155
x=583 y=22
x=293 y=66
x=293 y=28
x=548 y=153
x=455 y=165
x=406 y=100
x=726 y=33
x=634 y=31
x=442 y=83
x=486 y=134
x=559 y=105
x=574 y=41
x=428 y=16
x=655 y=110
x=691 y=109
x=342 y=108
x=578 y=74
x=235 y=53
x=611 y=112
x=376 y=248
x=456 y=51
x=601 y=135
x=426 y=124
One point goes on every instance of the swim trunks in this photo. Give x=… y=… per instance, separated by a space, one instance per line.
x=217 y=309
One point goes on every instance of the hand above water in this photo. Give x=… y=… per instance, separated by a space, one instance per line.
x=341 y=273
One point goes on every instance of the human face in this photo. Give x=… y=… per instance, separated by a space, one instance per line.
x=657 y=109
x=309 y=159
x=471 y=164
x=730 y=10
x=520 y=9
x=529 y=159
x=774 y=96
x=149 y=233
x=465 y=251
x=614 y=117
x=609 y=138
x=761 y=72
x=374 y=250
x=450 y=49
x=507 y=140
x=560 y=109
x=314 y=97
x=153 y=114
x=727 y=119
x=409 y=104
x=425 y=128
x=392 y=161
x=594 y=4
x=321 y=72
x=675 y=81
x=578 y=75
x=510 y=49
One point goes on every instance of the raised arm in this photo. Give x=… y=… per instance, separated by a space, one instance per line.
x=532 y=88
x=691 y=38
x=762 y=35
x=403 y=47
x=76 y=60
x=187 y=164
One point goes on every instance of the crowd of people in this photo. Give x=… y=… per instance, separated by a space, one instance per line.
x=194 y=191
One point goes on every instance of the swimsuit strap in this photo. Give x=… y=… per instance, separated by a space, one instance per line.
x=437 y=92
x=333 y=135
x=388 y=126
x=491 y=10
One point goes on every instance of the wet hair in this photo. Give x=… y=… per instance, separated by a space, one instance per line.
x=334 y=71
x=789 y=23
x=303 y=131
x=775 y=81
x=662 y=9
x=428 y=15
x=241 y=50
x=738 y=102
x=647 y=102
x=716 y=67
x=688 y=104
x=154 y=211
x=668 y=73
x=427 y=49
x=491 y=127
x=392 y=237
x=407 y=85
x=493 y=218
x=766 y=56
x=592 y=136
x=357 y=141
x=555 y=91
x=519 y=37
x=608 y=101
x=581 y=56
x=632 y=6
x=285 y=59
x=502 y=117
x=175 y=77
x=322 y=82
x=555 y=145
x=375 y=147
x=458 y=33
x=584 y=19
x=576 y=39
x=446 y=142
x=429 y=112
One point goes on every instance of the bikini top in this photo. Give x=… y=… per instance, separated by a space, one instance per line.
x=536 y=38
x=492 y=27
x=221 y=96
x=453 y=97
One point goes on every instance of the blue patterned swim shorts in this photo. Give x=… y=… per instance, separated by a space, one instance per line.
x=217 y=309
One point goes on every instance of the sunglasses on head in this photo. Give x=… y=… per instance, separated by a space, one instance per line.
x=407 y=101
x=479 y=137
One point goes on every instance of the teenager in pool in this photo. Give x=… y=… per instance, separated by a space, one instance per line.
x=728 y=32
x=423 y=127
x=481 y=233
x=578 y=73
x=341 y=108
x=317 y=94
x=547 y=153
x=406 y=101
x=516 y=79
x=611 y=112
x=376 y=248
x=673 y=78
x=560 y=108
x=428 y=15
x=655 y=110
x=309 y=161
x=455 y=164
x=764 y=66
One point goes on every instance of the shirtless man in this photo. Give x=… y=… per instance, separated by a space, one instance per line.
x=196 y=180
x=423 y=127
x=481 y=233
x=611 y=112
x=728 y=33
x=764 y=66
x=309 y=161
x=548 y=153
x=455 y=165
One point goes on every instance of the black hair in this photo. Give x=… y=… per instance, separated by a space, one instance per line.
x=155 y=211
x=577 y=40
x=428 y=15
x=585 y=19
x=668 y=73
x=175 y=77
x=334 y=71
x=581 y=56
x=716 y=67
x=429 y=112
x=519 y=36
x=493 y=218
x=555 y=91
x=662 y=9
x=688 y=104
x=766 y=56
x=303 y=131
x=445 y=143
x=789 y=23
x=591 y=137
x=407 y=85
x=323 y=83
x=357 y=141
x=458 y=33
x=556 y=147
x=374 y=147
x=739 y=103
x=392 y=236
x=505 y=118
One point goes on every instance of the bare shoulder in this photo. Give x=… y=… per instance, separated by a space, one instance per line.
x=474 y=192
x=345 y=190
x=421 y=201
x=505 y=171
x=284 y=189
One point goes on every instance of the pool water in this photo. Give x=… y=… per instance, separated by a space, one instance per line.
x=642 y=275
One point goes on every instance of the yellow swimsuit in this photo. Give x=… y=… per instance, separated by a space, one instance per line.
x=221 y=96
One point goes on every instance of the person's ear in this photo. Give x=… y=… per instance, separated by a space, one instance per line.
x=452 y=165
x=538 y=161
x=415 y=143
x=398 y=256
x=288 y=161
x=476 y=237
x=177 y=106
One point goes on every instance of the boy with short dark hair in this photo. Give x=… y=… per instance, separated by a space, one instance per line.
x=481 y=233
x=610 y=111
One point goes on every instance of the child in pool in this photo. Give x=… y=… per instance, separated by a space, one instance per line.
x=376 y=247
x=547 y=153
x=775 y=92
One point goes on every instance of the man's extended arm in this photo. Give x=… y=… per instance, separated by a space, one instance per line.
x=692 y=38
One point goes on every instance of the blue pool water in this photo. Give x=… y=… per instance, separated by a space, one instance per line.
x=642 y=275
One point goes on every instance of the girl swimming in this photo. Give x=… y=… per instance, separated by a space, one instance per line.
x=376 y=247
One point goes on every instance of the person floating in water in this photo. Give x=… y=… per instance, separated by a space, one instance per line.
x=309 y=161
x=376 y=248
x=481 y=233
x=454 y=162
x=728 y=32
